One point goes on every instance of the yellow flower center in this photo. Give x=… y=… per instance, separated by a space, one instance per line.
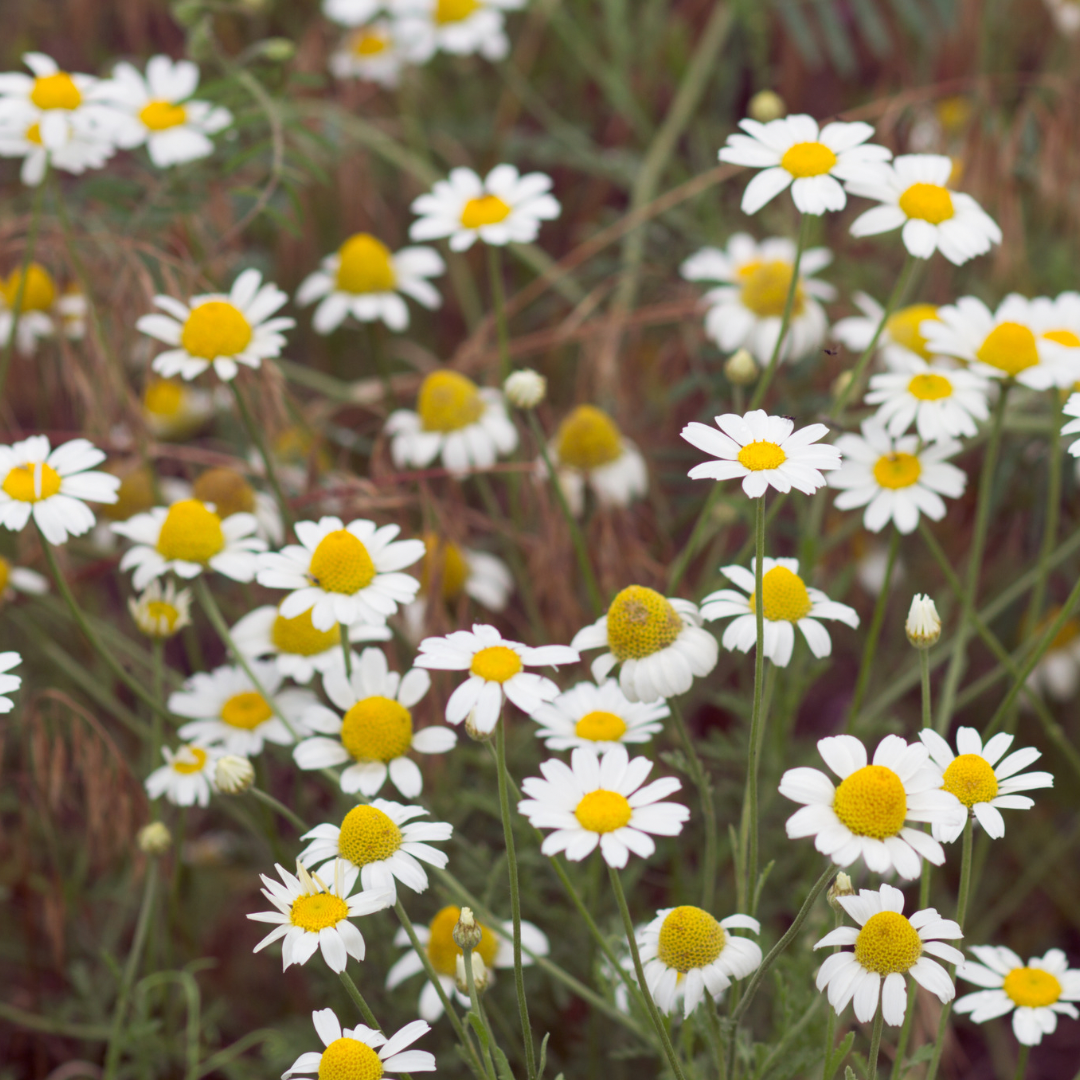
x=888 y=944
x=760 y=455
x=186 y=767
x=316 y=911
x=872 y=802
x=350 y=1059
x=930 y=387
x=786 y=598
x=341 y=564
x=496 y=663
x=364 y=266
x=1031 y=987
x=587 y=439
x=689 y=938
x=600 y=726
x=1009 y=347
x=447 y=556
x=158 y=611
x=161 y=115
x=298 y=636
x=367 y=836
x=448 y=402
x=641 y=622
x=134 y=496
x=246 y=710
x=227 y=490
x=487 y=210
x=443 y=951
x=1063 y=337
x=368 y=43
x=765 y=287
x=897 y=470
x=190 y=533
x=33 y=134
x=163 y=397
x=31 y=482
x=5 y=573
x=927 y=202
x=215 y=329
x=56 y=91
x=39 y=292
x=808 y=159
x=971 y=779
x=377 y=729
x=603 y=811
x=450 y=11
x=903 y=327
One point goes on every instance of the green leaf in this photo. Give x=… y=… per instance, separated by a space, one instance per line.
x=479 y=1028
x=839 y=1054
x=543 y=1055
x=502 y=1065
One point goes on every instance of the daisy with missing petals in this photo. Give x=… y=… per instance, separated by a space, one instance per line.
x=458 y=27
x=378 y=843
x=792 y=152
x=600 y=801
x=364 y=279
x=495 y=949
x=360 y=1052
x=52 y=486
x=895 y=479
x=900 y=337
x=688 y=955
x=502 y=208
x=372 y=52
x=658 y=642
x=1035 y=993
x=19 y=579
x=766 y=451
x=866 y=815
x=312 y=916
x=8 y=683
x=888 y=946
x=972 y=777
x=913 y=195
x=496 y=670
x=788 y=604
x=187 y=777
x=343 y=573
x=219 y=330
x=161 y=613
x=600 y=717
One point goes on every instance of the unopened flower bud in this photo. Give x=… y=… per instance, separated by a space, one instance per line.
x=923 y=626
x=475 y=733
x=154 y=839
x=467 y=931
x=766 y=105
x=479 y=974
x=277 y=49
x=741 y=368
x=841 y=886
x=233 y=774
x=525 y=389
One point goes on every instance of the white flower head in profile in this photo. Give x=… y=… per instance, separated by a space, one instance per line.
x=457 y=27
x=900 y=337
x=598 y=716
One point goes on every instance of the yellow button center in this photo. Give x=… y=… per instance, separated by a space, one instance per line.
x=496 y=663
x=760 y=455
x=786 y=598
x=31 y=482
x=903 y=327
x=897 y=470
x=487 y=210
x=971 y=779
x=927 y=202
x=888 y=944
x=587 y=439
x=689 y=938
x=1032 y=988
x=448 y=402
x=930 y=387
x=600 y=726
x=765 y=287
x=872 y=802
x=368 y=835
x=377 y=729
x=1009 y=347
x=341 y=564
x=56 y=91
x=190 y=533
x=365 y=266
x=317 y=911
x=215 y=329
x=162 y=115
x=641 y=622
x=808 y=159
x=603 y=811
x=350 y=1059
x=298 y=636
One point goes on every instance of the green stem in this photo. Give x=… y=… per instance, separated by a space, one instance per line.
x=346 y=649
x=268 y=800
x=701 y=782
x=875 y=1044
x=1021 y=1062
x=718 y=1038
x=924 y=680
x=157 y=734
x=358 y=1000
x=498 y=302
x=1053 y=510
x=474 y=1001
x=268 y=461
x=746 y=901
x=830 y=1022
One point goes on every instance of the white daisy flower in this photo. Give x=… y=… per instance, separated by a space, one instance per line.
x=900 y=337
x=52 y=486
x=496 y=949
x=83 y=150
x=20 y=579
x=187 y=777
x=689 y=955
x=364 y=279
x=983 y=788
x=788 y=603
x=219 y=330
x=888 y=946
x=600 y=717
x=766 y=451
x=372 y=52
x=343 y=573
x=161 y=613
x=188 y=538
x=175 y=411
x=458 y=27
x=895 y=479
x=361 y=1052
x=502 y=208
x=746 y=309
x=658 y=642
x=8 y=683
x=456 y=420
x=496 y=670
x=313 y=916
x=792 y=152
x=1057 y=674
x=1035 y=993
x=351 y=12
x=865 y=816
x=1057 y=320
x=378 y=843
x=45 y=310
x=913 y=195
x=600 y=801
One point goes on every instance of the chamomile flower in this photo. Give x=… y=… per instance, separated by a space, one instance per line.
x=601 y=717
x=914 y=196
x=364 y=279
x=788 y=603
x=895 y=479
x=1036 y=993
x=229 y=492
x=20 y=579
x=496 y=670
x=218 y=330
x=52 y=486
x=314 y=916
x=175 y=411
x=495 y=949
x=161 y=613
x=187 y=777
x=658 y=643
x=747 y=307
x=8 y=683
x=343 y=573
x=866 y=815
x=188 y=538
x=901 y=335
x=372 y=52
x=458 y=27
x=361 y=1052
x=227 y=709
x=983 y=779
x=597 y=801
x=456 y=420
x=1057 y=320
x=688 y=954
x=1057 y=674
x=888 y=946
x=85 y=149
x=502 y=208
x=45 y=311
x=382 y=844
x=765 y=451
x=793 y=152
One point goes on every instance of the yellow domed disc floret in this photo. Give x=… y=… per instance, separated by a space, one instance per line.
x=32 y=482
x=443 y=951
x=496 y=663
x=1032 y=988
x=603 y=811
x=600 y=726
x=888 y=944
x=641 y=622
x=298 y=636
x=246 y=710
x=760 y=455
x=39 y=292
x=317 y=911
x=1009 y=347
x=897 y=470
x=488 y=209
x=162 y=115
x=872 y=802
x=786 y=598
x=1063 y=337
x=765 y=287
x=134 y=496
x=377 y=729
x=927 y=202
x=350 y=1059
x=368 y=835
x=190 y=533
x=448 y=402
x=808 y=159
x=587 y=439
x=971 y=779
x=215 y=329
x=186 y=768
x=930 y=387
x=455 y=570
x=365 y=265
x=229 y=492
x=56 y=91
x=904 y=325
x=341 y=564
x=689 y=938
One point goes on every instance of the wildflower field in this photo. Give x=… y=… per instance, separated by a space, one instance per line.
x=539 y=539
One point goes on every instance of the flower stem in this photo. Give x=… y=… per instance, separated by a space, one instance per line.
x=346 y=649
x=474 y=1001
x=499 y=305
x=924 y=679
x=1053 y=510
x=268 y=800
x=875 y=1044
x=1021 y=1062
x=830 y=1023
x=746 y=901
x=701 y=782
x=358 y=1000
x=264 y=453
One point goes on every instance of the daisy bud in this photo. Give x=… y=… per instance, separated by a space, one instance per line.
x=766 y=105
x=479 y=974
x=277 y=49
x=475 y=733
x=467 y=931
x=525 y=389
x=741 y=368
x=154 y=839
x=233 y=774
x=841 y=886
x=923 y=626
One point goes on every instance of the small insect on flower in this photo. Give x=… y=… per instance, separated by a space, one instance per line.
x=888 y=946
x=187 y=777
x=598 y=716
x=161 y=613
x=8 y=683
x=458 y=27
